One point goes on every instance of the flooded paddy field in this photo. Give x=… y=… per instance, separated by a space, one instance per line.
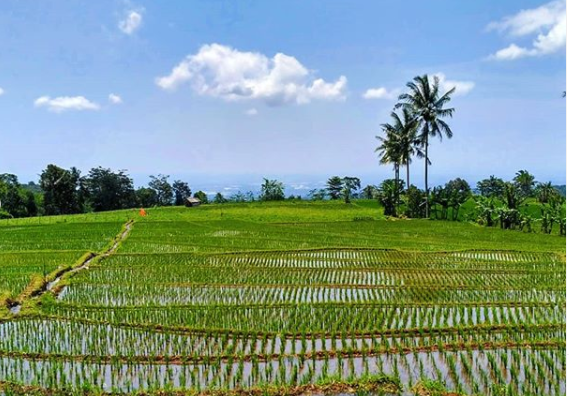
x=182 y=316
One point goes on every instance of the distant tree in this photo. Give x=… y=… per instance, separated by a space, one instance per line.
x=33 y=187
x=32 y=204
x=369 y=192
x=163 y=189
x=108 y=190
x=415 y=201
x=350 y=186
x=400 y=142
x=334 y=187
x=525 y=183
x=427 y=104
x=219 y=199
x=146 y=197
x=389 y=191
x=182 y=191
x=201 y=196
x=238 y=197
x=545 y=192
x=459 y=193
x=250 y=196
x=317 y=194
x=13 y=197
x=62 y=194
x=492 y=187
x=272 y=190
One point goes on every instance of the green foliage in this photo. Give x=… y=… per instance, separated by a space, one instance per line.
x=219 y=199
x=415 y=199
x=201 y=196
x=272 y=190
x=182 y=191
x=334 y=187
x=108 y=190
x=163 y=189
x=350 y=186
x=389 y=192
x=492 y=187
x=62 y=193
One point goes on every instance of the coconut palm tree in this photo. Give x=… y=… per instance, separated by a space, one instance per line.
x=389 y=150
x=409 y=144
x=426 y=104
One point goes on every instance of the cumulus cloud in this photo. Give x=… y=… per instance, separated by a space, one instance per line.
x=252 y=112
x=131 y=22
x=460 y=87
x=381 y=93
x=445 y=85
x=547 y=23
x=227 y=73
x=115 y=99
x=66 y=103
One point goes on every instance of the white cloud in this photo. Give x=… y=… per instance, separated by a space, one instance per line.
x=65 y=103
x=115 y=99
x=131 y=22
x=461 y=87
x=223 y=72
x=548 y=22
x=252 y=112
x=381 y=93
x=2 y=92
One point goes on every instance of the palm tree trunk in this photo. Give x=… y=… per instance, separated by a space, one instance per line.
x=396 y=187
x=408 y=176
x=427 y=176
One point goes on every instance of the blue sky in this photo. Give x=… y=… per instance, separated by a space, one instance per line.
x=226 y=92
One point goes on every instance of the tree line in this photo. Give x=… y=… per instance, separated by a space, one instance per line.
x=66 y=191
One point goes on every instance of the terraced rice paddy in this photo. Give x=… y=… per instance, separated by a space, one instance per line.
x=195 y=306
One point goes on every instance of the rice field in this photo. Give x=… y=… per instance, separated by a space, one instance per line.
x=191 y=305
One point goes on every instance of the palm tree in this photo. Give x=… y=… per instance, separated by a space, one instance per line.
x=427 y=106
x=409 y=144
x=389 y=150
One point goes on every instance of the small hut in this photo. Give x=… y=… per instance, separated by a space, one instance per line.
x=192 y=201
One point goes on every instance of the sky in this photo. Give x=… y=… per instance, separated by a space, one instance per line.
x=222 y=93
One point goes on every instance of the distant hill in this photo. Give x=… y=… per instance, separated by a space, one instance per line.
x=561 y=189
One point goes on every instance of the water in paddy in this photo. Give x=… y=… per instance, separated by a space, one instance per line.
x=470 y=372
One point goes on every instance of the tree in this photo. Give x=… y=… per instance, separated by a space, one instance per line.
x=62 y=194
x=389 y=149
x=182 y=191
x=415 y=201
x=459 y=192
x=163 y=189
x=545 y=192
x=317 y=194
x=334 y=187
x=491 y=188
x=389 y=191
x=146 y=197
x=13 y=198
x=108 y=190
x=201 y=196
x=219 y=199
x=525 y=183
x=350 y=184
x=272 y=190
x=426 y=104
x=369 y=192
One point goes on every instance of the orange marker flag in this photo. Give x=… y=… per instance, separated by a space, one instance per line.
x=142 y=212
